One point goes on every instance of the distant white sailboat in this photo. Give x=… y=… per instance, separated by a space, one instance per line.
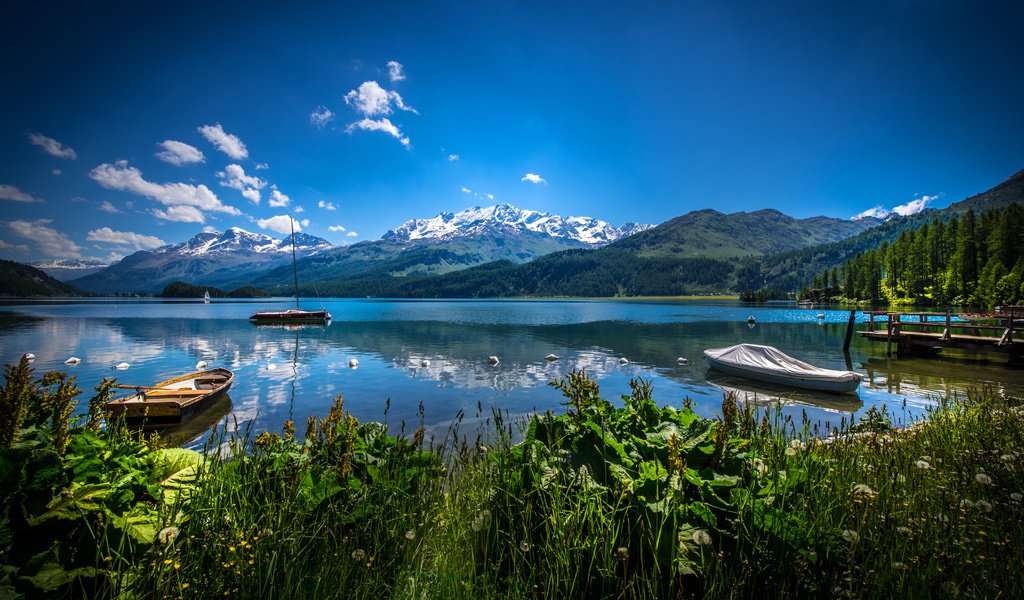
x=206 y=296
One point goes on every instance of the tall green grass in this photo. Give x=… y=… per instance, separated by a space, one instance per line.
x=608 y=500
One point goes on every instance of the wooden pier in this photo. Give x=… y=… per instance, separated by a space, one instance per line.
x=930 y=333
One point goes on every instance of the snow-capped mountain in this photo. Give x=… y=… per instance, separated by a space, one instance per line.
x=236 y=240
x=63 y=269
x=505 y=219
x=208 y=258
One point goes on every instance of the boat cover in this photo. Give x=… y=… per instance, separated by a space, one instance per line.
x=769 y=360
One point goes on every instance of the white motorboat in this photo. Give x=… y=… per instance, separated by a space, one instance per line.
x=765 y=363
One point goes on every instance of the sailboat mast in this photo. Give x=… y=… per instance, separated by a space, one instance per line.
x=295 y=269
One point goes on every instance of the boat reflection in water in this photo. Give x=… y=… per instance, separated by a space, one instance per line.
x=201 y=422
x=765 y=394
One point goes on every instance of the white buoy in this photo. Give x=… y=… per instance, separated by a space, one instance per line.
x=682 y=361
x=271 y=367
x=353 y=363
x=623 y=361
x=821 y=315
x=424 y=363
x=202 y=365
x=751 y=319
x=74 y=360
x=493 y=360
x=121 y=366
x=30 y=356
x=551 y=357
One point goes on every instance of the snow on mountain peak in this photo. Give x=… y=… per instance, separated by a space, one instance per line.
x=511 y=219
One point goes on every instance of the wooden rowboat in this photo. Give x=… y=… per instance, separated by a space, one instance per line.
x=170 y=402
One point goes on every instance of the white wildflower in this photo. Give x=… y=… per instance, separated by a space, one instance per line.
x=923 y=464
x=358 y=555
x=410 y=535
x=790 y=451
x=863 y=489
x=983 y=479
x=759 y=467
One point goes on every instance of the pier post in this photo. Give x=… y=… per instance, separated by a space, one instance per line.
x=849 y=331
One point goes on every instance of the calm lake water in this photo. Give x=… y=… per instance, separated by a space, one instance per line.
x=288 y=373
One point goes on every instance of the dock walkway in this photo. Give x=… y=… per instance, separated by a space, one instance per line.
x=930 y=333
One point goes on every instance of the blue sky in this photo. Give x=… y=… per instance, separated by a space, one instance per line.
x=127 y=125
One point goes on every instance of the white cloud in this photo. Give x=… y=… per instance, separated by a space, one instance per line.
x=351 y=234
x=371 y=100
x=50 y=241
x=125 y=238
x=107 y=207
x=52 y=146
x=327 y=205
x=337 y=228
x=280 y=224
x=261 y=166
x=384 y=125
x=235 y=178
x=277 y=199
x=453 y=157
x=120 y=176
x=534 y=178
x=877 y=212
x=16 y=247
x=489 y=196
x=210 y=229
x=224 y=141
x=395 y=71
x=298 y=209
x=114 y=257
x=9 y=192
x=914 y=206
x=56 y=171
x=179 y=153
x=321 y=116
x=180 y=214
x=304 y=222
x=466 y=190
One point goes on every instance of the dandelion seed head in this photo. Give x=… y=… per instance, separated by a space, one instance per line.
x=359 y=555
x=863 y=489
x=167 y=535
x=790 y=451
x=965 y=503
x=923 y=464
x=759 y=467
x=410 y=535
x=701 y=538
x=903 y=530
x=983 y=506
x=1015 y=496
x=524 y=546
x=983 y=479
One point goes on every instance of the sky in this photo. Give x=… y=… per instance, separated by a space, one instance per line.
x=129 y=125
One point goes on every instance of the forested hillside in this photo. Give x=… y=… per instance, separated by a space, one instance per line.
x=21 y=280
x=967 y=260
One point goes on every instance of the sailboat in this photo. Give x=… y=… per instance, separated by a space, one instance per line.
x=206 y=296
x=292 y=315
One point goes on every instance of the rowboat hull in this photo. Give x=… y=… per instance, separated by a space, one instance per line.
x=170 y=403
x=780 y=369
x=291 y=316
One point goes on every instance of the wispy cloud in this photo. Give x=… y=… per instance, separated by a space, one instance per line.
x=395 y=71
x=280 y=224
x=184 y=199
x=384 y=125
x=261 y=166
x=180 y=214
x=10 y=192
x=234 y=177
x=52 y=146
x=336 y=228
x=225 y=142
x=50 y=241
x=210 y=229
x=466 y=190
x=453 y=157
x=278 y=199
x=534 y=178
x=297 y=209
x=107 y=207
x=352 y=234
x=327 y=205
x=321 y=116
x=16 y=247
x=125 y=238
x=56 y=171
x=179 y=153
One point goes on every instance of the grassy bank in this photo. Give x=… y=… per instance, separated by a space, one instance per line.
x=607 y=500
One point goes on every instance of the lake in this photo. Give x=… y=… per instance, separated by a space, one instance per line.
x=286 y=373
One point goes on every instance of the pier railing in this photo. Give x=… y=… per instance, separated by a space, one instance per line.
x=946 y=328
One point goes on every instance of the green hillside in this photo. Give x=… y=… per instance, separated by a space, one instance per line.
x=20 y=280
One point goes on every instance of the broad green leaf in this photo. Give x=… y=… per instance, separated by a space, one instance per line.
x=75 y=502
x=53 y=576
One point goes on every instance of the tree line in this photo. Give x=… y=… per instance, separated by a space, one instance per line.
x=970 y=260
